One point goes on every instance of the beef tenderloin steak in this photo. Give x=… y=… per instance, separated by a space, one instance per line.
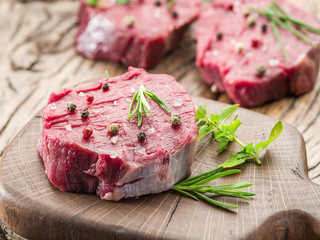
x=229 y=51
x=80 y=153
x=137 y=34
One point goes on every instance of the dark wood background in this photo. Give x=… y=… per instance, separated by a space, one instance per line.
x=37 y=56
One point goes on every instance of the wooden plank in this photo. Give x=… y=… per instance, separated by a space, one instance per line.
x=286 y=197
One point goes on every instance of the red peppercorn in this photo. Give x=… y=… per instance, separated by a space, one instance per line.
x=256 y=43
x=87 y=132
x=89 y=98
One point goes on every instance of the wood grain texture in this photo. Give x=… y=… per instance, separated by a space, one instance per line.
x=286 y=205
x=37 y=56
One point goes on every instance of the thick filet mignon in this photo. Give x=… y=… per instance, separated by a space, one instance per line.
x=229 y=51
x=137 y=34
x=82 y=155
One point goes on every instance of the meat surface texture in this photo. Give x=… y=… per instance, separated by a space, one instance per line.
x=116 y=166
x=230 y=60
x=137 y=34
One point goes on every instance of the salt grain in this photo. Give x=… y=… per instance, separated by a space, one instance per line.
x=132 y=90
x=115 y=103
x=53 y=106
x=215 y=53
x=81 y=94
x=238 y=47
x=128 y=100
x=69 y=128
x=142 y=151
x=151 y=130
x=114 y=139
x=113 y=154
x=178 y=102
x=274 y=62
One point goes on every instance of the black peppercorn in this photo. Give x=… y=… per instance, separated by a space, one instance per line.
x=84 y=113
x=174 y=14
x=264 y=28
x=158 y=3
x=105 y=86
x=114 y=128
x=219 y=35
x=175 y=120
x=141 y=136
x=71 y=107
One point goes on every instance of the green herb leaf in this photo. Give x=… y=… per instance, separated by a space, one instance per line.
x=122 y=2
x=201 y=112
x=227 y=112
x=91 y=2
x=170 y=4
x=275 y=133
x=143 y=105
x=106 y=73
x=203 y=131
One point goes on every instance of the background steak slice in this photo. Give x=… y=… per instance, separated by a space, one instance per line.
x=117 y=166
x=235 y=72
x=104 y=34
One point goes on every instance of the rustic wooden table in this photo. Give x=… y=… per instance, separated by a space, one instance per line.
x=37 y=56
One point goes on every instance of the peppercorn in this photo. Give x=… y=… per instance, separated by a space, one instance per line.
x=158 y=3
x=174 y=14
x=246 y=13
x=87 y=132
x=251 y=21
x=71 y=107
x=105 y=86
x=175 y=120
x=89 y=98
x=219 y=35
x=141 y=136
x=129 y=21
x=261 y=70
x=114 y=128
x=264 y=28
x=84 y=113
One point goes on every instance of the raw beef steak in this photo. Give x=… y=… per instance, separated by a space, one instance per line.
x=137 y=34
x=229 y=51
x=82 y=155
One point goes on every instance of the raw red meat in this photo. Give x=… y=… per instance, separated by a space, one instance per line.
x=81 y=155
x=106 y=32
x=230 y=60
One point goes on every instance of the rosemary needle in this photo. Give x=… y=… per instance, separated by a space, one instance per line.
x=143 y=105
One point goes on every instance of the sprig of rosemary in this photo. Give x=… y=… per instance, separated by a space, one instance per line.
x=196 y=187
x=99 y=3
x=170 y=4
x=226 y=132
x=278 y=17
x=143 y=105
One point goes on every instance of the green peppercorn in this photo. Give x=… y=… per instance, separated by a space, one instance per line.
x=158 y=3
x=114 y=128
x=129 y=21
x=219 y=35
x=264 y=28
x=251 y=21
x=84 y=113
x=105 y=86
x=174 y=14
x=142 y=136
x=261 y=70
x=71 y=107
x=175 y=120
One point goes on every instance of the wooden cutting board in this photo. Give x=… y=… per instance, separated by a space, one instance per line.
x=287 y=204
